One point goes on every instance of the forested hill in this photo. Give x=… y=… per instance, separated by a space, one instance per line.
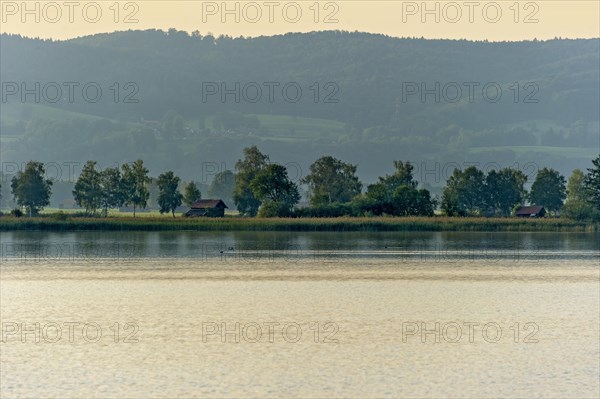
x=358 y=99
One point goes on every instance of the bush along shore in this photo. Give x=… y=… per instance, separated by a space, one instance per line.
x=436 y=223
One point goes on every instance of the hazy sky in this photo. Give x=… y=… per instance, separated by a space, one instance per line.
x=478 y=20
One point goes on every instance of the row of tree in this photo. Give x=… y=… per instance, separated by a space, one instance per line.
x=334 y=190
x=128 y=186
x=265 y=189
x=262 y=188
x=105 y=189
x=472 y=192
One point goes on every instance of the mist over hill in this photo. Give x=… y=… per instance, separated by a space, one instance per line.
x=190 y=103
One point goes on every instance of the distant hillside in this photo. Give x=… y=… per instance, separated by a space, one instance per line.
x=356 y=100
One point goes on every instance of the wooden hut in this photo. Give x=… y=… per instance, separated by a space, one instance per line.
x=534 y=211
x=207 y=208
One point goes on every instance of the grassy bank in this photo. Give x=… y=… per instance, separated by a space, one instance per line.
x=51 y=223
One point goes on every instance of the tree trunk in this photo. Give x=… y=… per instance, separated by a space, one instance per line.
x=134 y=210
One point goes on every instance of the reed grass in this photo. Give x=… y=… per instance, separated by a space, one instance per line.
x=438 y=223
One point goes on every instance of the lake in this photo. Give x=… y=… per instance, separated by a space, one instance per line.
x=247 y=314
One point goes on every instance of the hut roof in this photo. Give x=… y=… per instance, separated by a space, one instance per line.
x=529 y=210
x=208 y=203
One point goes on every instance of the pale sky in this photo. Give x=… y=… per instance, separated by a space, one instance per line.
x=475 y=20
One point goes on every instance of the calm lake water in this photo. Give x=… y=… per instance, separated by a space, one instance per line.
x=193 y=314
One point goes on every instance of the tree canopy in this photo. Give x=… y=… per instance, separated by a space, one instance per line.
x=331 y=180
x=169 y=197
x=222 y=186
x=472 y=192
x=30 y=187
x=191 y=193
x=548 y=189
x=397 y=194
x=592 y=183
x=135 y=181
x=246 y=171
x=465 y=193
x=276 y=192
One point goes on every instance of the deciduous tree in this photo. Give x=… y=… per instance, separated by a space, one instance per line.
x=135 y=182
x=246 y=170
x=112 y=191
x=30 y=187
x=465 y=192
x=504 y=190
x=331 y=180
x=592 y=183
x=397 y=194
x=277 y=193
x=169 y=197
x=548 y=189
x=191 y=193
x=222 y=186
x=577 y=206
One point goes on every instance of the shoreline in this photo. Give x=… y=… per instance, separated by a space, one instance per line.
x=341 y=224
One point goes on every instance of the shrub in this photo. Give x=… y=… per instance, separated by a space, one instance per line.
x=578 y=210
x=16 y=213
x=60 y=216
x=326 y=211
